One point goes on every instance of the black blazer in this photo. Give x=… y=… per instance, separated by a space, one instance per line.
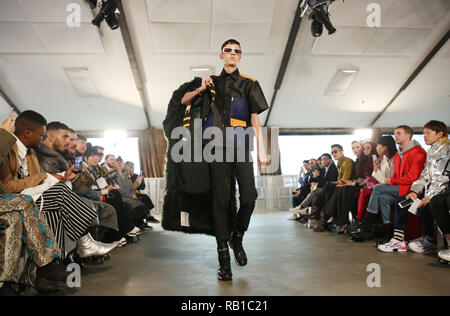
x=331 y=176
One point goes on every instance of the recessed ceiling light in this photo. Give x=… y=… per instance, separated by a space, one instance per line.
x=82 y=82
x=341 y=82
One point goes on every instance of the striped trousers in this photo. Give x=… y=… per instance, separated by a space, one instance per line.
x=66 y=214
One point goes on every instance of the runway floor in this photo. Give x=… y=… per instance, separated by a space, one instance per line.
x=285 y=259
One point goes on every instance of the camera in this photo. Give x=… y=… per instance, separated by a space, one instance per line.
x=107 y=12
x=317 y=12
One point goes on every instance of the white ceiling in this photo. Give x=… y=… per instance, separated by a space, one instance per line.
x=173 y=36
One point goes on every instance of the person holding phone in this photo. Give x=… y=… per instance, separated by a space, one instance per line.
x=431 y=183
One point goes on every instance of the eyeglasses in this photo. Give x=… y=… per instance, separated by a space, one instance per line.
x=229 y=50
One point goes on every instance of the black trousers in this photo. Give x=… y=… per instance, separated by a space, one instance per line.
x=347 y=202
x=440 y=208
x=145 y=199
x=114 y=198
x=221 y=194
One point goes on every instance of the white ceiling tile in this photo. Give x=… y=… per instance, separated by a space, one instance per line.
x=416 y=13
x=346 y=41
x=186 y=11
x=18 y=37
x=53 y=10
x=253 y=37
x=180 y=37
x=239 y=11
x=10 y=11
x=58 y=38
x=389 y=41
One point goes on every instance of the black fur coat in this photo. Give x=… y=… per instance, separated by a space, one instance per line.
x=187 y=201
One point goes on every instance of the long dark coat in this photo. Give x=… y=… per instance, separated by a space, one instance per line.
x=188 y=188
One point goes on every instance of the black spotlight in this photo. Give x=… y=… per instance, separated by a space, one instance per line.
x=320 y=14
x=108 y=13
x=316 y=28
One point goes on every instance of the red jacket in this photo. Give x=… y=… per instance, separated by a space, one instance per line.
x=408 y=168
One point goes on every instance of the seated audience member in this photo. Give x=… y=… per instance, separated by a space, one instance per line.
x=408 y=164
x=140 y=211
x=296 y=198
x=431 y=182
x=20 y=221
x=383 y=169
x=69 y=153
x=439 y=206
x=81 y=145
x=138 y=184
x=327 y=199
x=51 y=160
x=328 y=173
x=100 y=150
x=89 y=185
x=50 y=153
x=63 y=210
x=350 y=190
x=303 y=172
x=305 y=189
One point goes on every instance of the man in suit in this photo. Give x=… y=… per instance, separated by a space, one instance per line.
x=319 y=177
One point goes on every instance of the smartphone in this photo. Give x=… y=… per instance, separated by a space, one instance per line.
x=79 y=164
x=406 y=203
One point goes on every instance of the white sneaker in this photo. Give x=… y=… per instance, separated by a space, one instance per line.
x=393 y=246
x=295 y=209
x=122 y=242
x=303 y=211
x=134 y=232
x=422 y=246
x=444 y=255
x=293 y=217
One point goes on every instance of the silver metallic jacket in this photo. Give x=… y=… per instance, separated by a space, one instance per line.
x=431 y=178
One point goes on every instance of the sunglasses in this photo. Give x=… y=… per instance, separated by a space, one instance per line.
x=335 y=151
x=229 y=50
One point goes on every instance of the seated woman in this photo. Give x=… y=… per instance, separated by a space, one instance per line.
x=22 y=227
x=351 y=190
x=348 y=190
x=383 y=169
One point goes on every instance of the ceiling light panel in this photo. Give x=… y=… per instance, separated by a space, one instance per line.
x=341 y=82
x=82 y=82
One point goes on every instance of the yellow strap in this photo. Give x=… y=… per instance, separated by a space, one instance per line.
x=238 y=123
x=187 y=118
x=186 y=125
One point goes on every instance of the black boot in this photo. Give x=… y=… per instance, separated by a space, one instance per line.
x=238 y=250
x=9 y=289
x=365 y=231
x=224 y=273
x=52 y=277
